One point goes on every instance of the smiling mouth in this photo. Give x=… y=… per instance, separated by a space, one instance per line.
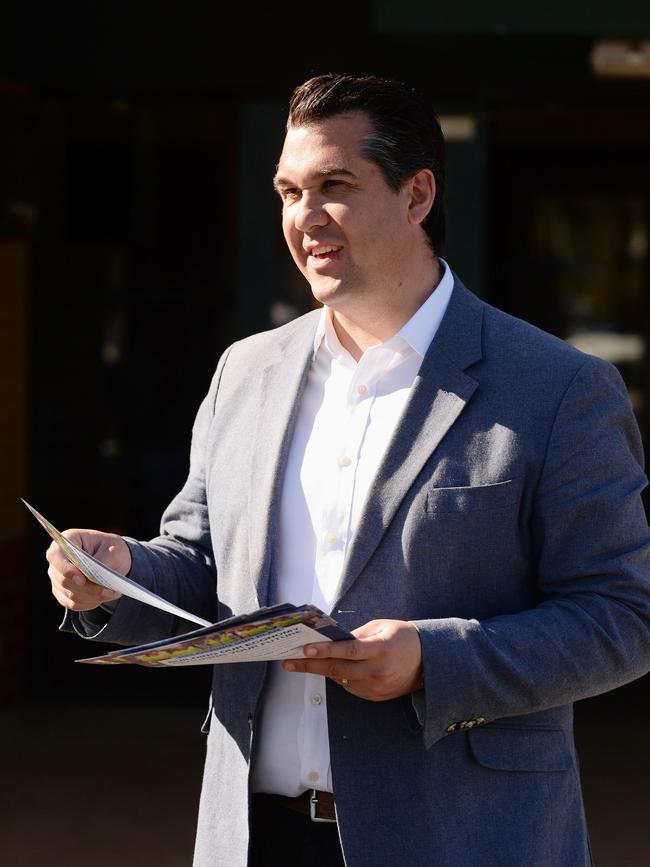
x=324 y=252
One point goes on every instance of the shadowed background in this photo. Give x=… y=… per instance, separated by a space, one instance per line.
x=139 y=235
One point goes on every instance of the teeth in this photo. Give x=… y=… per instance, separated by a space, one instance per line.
x=318 y=251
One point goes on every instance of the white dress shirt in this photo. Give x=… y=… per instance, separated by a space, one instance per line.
x=347 y=416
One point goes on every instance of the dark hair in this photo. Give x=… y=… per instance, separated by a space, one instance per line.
x=405 y=138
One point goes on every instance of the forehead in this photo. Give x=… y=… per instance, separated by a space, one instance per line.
x=321 y=146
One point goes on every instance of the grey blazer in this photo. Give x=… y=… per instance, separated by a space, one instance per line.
x=505 y=519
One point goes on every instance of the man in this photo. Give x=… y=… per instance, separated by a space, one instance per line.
x=458 y=488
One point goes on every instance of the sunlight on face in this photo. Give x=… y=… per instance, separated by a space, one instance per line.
x=346 y=229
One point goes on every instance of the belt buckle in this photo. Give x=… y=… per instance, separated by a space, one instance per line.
x=313 y=805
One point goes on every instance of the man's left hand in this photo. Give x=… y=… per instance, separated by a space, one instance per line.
x=383 y=661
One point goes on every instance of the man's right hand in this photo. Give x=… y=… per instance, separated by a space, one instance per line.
x=72 y=589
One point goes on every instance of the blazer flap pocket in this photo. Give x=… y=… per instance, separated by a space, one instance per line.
x=511 y=749
x=474 y=497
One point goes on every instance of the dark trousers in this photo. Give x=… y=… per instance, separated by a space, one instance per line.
x=282 y=836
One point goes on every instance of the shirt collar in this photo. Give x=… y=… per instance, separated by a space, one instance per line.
x=421 y=328
x=418 y=332
x=325 y=332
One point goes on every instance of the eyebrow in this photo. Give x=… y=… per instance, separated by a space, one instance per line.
x=282 y=183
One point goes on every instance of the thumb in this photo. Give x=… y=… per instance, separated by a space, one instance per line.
x=370 y=630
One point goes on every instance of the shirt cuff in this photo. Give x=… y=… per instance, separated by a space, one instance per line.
x=89 y=623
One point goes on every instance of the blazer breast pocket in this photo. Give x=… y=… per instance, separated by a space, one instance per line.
x=460 y=542
x=473 y=498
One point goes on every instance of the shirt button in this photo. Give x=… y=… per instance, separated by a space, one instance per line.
x=312 y=776
x=316 y=698
x=331 y=538
x=362 y=389
x=344 y=461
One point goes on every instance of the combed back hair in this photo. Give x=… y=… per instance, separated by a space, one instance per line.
x=405 y=136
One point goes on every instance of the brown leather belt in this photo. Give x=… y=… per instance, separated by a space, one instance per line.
x=319 y=806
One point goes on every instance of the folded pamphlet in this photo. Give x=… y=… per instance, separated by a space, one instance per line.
x=278 y=632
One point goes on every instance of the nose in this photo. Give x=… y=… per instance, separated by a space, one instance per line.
x=310 y=213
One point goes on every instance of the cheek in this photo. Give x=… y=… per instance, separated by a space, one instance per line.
x=287 y=225
x=293 y=238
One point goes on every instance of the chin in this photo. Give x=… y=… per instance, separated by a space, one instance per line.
x=325 y=292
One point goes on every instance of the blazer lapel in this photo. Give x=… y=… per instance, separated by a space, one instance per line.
x=440 y=394
x=281 y=388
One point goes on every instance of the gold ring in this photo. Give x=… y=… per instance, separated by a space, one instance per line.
x=345 y=681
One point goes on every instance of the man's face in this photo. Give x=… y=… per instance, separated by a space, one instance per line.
x=346 y=229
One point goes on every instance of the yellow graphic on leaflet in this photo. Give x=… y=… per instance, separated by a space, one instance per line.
x=231 y=637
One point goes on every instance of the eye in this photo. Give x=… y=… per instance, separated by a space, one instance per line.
x=333 y=183
x=289 y=195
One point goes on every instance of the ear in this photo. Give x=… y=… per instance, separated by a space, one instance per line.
x=422 y=192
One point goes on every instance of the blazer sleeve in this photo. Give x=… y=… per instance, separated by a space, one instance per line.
x=591 y=550
x=178 y=565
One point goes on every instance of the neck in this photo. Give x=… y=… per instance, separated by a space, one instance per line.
x=367 y=326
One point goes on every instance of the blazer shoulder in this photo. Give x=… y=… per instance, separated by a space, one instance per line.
x=521 y=345
x=518 y=356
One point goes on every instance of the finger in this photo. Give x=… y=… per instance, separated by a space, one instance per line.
x=55 y=550
x=83 y=595
x=369 y=640
x=363 y=679
x=72 y=601
x=69 y=580
x=335 y=669
x=353 y=649
x=61 y=597
x=110 y=595
x=371 y=629
x=57 y=560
